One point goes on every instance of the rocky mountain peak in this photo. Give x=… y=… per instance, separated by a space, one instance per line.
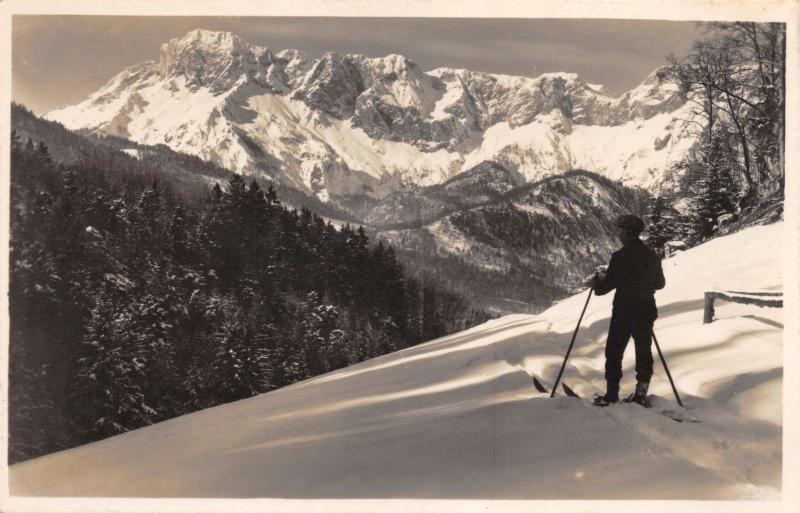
x=213 y=59
x=391 y=65
x=332 y=85
x=296 y=65
x=558 y=78
x=653 y=96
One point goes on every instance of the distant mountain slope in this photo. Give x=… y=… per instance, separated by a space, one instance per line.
x=346 y=126
x=188 y=175
x=457 y=418
x=509 y=248
x=484 y=184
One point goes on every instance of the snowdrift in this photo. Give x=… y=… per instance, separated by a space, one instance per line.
x=458 y=418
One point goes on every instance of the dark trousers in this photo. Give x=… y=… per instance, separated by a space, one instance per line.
x=623 y=326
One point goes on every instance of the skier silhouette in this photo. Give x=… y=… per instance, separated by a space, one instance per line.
x=635 y=272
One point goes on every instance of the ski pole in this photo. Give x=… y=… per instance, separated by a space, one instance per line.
x=555 y=386
x=664 y=361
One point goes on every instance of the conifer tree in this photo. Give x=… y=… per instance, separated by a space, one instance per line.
x=179 y=239
x=715 y=192
x=272 y=197
x=241 y=366
x=44 y=153
x=665 y=225
x=111 y=376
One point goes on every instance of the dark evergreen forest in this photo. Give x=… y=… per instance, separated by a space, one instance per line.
x=130 y=305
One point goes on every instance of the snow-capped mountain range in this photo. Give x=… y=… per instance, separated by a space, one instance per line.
x=348 y=125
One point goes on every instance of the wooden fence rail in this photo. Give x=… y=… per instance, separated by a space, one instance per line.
x=760 y=299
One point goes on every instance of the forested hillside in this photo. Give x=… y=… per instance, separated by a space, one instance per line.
x=507 y=248
x=129 y=305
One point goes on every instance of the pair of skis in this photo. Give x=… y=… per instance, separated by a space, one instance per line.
x=543 y=389
x=667 y=412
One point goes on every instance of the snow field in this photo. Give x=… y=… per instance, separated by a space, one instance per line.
x=458 y=418
x=598 y=147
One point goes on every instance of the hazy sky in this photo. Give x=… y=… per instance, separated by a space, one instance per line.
x=60 y=60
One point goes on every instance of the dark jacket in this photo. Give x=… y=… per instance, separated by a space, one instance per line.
x=635 y=272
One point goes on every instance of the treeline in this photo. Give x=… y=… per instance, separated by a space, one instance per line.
x=129 y=306
x=736 y=80
x=634 y=198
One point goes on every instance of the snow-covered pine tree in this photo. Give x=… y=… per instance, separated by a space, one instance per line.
x=146 y=232
x=665 y=224
x=241 y=366
x=290 y=360
x=321 y=335
x=179 y=240
x=157 y=314
x=111 y=375
x=715 y=191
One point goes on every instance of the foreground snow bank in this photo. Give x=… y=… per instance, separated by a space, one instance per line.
x=458 y=418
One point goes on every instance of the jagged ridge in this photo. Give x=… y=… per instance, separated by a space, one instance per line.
x=344 y=126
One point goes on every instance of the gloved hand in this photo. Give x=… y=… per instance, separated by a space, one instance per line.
x=597 y=277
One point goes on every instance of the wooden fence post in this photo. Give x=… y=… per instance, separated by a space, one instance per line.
x=708 y=308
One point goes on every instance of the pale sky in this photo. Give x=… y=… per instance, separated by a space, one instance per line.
x=60 y=60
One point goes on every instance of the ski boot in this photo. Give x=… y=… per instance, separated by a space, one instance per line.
x=639 y=396
x=611 y=396
x=604 y=400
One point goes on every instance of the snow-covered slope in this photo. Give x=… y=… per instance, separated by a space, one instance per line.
x=458 y=418
x=346 y=125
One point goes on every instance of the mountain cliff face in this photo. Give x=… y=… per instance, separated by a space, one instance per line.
x=347 y=126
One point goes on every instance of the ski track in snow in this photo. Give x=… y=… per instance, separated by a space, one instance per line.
x=458 y=417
